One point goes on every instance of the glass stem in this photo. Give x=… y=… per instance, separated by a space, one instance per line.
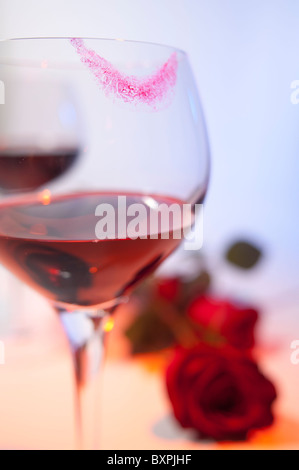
x=86 y=338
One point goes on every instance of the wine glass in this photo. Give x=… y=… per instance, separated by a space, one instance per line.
x=85 y=239
x=41 y=138
x=41 y=135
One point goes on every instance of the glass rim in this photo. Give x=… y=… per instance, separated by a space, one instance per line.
x=95 y=38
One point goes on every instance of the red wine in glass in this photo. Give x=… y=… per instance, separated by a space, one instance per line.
x=29 y=169
x=137 y=108
x=52 y=246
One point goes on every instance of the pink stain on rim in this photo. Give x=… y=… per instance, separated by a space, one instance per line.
x=151 y=90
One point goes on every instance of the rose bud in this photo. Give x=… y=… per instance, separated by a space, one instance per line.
x=233 y=322
x=168 y=288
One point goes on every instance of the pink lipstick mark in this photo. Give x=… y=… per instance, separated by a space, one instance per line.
x=151 y=91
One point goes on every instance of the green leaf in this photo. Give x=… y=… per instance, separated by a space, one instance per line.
x=198 y=286
x=243 y=254
x=148 y=334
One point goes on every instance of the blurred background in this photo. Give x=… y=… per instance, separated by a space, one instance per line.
x=244 y=56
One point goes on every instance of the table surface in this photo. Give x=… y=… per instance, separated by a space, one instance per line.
x=36 y=389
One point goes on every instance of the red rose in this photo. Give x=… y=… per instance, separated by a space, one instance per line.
x=220 y=392
x=236 y=324
x=168 y=288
